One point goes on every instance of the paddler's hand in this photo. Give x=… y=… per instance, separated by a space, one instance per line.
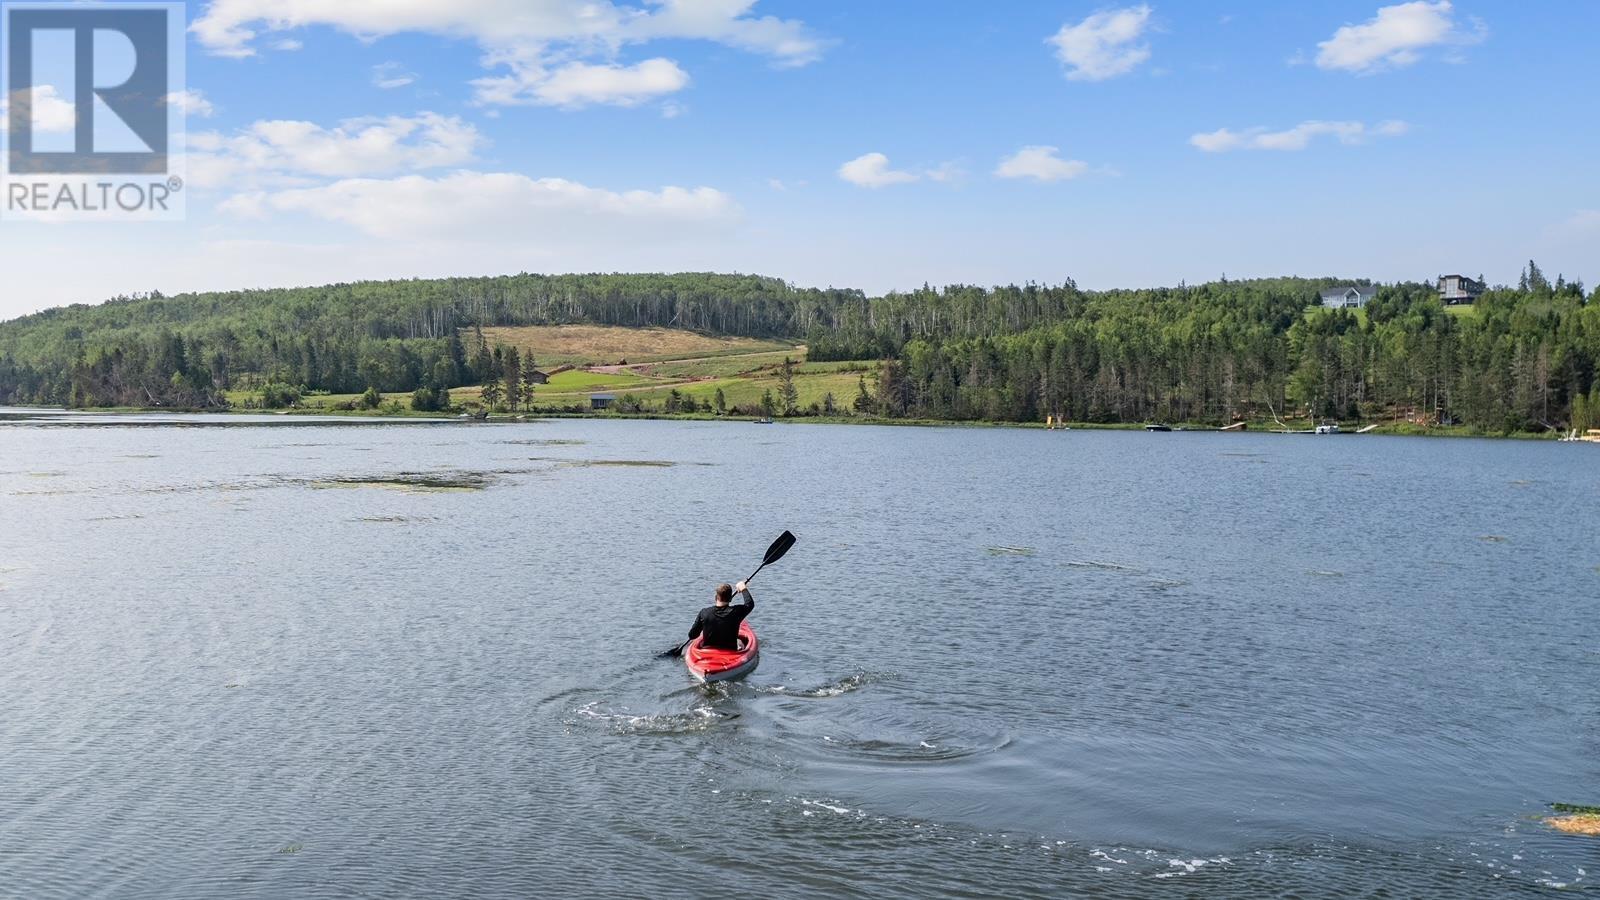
x=740 y=588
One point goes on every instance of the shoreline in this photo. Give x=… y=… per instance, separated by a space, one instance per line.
x=1397 y=429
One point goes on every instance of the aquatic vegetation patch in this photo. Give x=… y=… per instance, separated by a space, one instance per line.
x=397 y=520
x=602 y=463
x=1576 y=808
x=544 y=442
x=1492 y=538
x=1324 y=573
x=1012 y=551
x=1588 y=824
x=413 y=482
x=291 y=848
x=1098 y=564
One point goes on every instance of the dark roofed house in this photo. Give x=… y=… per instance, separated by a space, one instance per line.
x=601 y=401
x=537 y=377
x=1455 y=289
x=1348 y=296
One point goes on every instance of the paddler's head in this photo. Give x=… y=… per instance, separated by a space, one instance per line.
x=724 y=594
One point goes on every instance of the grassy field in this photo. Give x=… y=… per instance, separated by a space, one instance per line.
x=659 y=361
x=585 y=345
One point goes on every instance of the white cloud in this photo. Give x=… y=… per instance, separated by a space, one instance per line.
x=390 y=75
x=280 y=151
x=191 y=103
x=1296 y=138
x=51 y=113
x=578 y=84
x=1041 y=164
x=1396 y=37
x=287 y=45
x=548 y=46
x=871 y=170
x=500 y=206
x=1103 y=45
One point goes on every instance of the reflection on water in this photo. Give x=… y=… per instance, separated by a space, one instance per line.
x=997 y=662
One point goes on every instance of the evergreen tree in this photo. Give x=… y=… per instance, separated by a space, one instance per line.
x=769 y=406
x=787 y=392
x=529 y=385
x=721 y=403
x=511 y=369
x=863 y=402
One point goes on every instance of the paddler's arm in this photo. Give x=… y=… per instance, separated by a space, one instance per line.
x=749 y=598
x=694 y=632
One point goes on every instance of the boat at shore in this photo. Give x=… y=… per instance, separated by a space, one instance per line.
x=1158 y=426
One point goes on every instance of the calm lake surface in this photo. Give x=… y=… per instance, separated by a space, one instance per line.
x=259 y=659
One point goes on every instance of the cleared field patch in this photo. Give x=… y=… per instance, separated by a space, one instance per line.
x=722 y=366
x=579 y=380
x=580 y=345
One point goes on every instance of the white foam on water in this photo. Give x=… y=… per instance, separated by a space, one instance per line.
x=818 y=803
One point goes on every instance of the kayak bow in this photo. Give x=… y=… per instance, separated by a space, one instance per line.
x=709 y=664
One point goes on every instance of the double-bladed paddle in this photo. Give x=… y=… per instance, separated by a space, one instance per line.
x=774 y=553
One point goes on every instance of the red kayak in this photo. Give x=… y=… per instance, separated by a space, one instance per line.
x=708 y=664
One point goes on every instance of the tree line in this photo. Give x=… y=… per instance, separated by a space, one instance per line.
x=1215 y=352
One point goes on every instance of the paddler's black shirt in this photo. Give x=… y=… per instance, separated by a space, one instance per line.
x=720 y=624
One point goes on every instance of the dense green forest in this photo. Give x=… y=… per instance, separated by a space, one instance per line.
x=1520 y=359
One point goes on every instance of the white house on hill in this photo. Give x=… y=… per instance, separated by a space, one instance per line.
x=1348 y=297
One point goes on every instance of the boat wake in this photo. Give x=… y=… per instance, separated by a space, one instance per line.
x=844 y=685
x=620 y=720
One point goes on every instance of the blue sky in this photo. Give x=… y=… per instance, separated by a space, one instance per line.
x=877 y=144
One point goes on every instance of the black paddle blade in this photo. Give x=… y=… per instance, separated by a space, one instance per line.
x=675 y=651
x=779 y=548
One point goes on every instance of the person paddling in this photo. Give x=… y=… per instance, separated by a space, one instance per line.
x=719 y=623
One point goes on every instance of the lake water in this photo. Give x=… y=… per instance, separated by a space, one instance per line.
x=257 y=658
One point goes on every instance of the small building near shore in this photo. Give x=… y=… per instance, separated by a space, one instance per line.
x=1455 y=289
x=601 y=401
x=1350 y=296
x=537 y=377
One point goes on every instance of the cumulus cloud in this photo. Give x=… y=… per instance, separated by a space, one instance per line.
x=191 y=103
x=501 y=207
x=1104 y=45
x=1297 y=138
x=1041 y=163
x=287 y=151
x=1396 y=36
x=871 y=170
x=547 y=46
x=579 y=84
x=51 y=113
